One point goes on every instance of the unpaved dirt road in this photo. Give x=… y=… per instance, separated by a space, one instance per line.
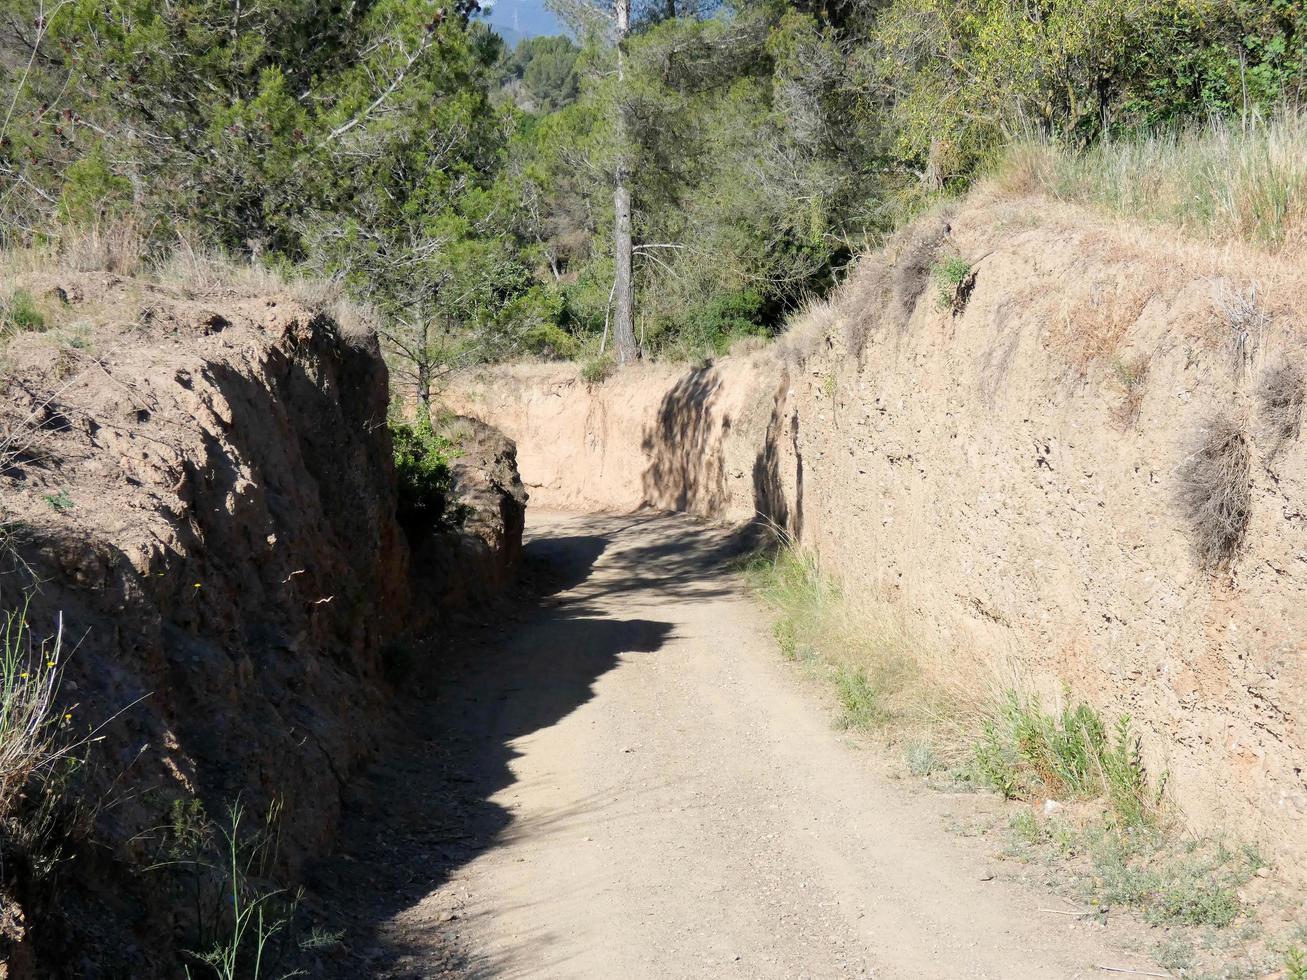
x=629 y=783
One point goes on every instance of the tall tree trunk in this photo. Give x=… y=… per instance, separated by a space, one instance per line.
x=623 y=285
x=424 y=376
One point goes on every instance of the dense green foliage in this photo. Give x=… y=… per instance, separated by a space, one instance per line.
x=543 y=71
x=466 y=190
x=422 y=458
x=966 y=75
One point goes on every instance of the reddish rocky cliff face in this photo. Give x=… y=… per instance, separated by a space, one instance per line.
x=202 y=488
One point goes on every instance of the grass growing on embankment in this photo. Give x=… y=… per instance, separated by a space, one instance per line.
x=1111 y=837
x=1225 y=180
x=988 y=734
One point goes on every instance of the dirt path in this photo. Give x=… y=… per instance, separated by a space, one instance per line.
x=630 y=784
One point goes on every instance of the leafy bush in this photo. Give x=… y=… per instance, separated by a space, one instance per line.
x=596 y=370
x=422 y=458
x=59 y=502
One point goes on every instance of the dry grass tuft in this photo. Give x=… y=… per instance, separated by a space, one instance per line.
x=806 y=334
x=1246 y=323
x=1090 y=332
x=1223 y=180
x=915 y=264
x=884 y=291
x=188 y=271
x=1216 y=491
x=862 y=303
x=118 y=247
x=29 y=723
x=1280 y=396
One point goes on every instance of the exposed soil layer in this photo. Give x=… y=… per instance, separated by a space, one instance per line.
x=1081 y=468
x=200 y=488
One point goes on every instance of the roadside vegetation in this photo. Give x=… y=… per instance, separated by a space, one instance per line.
x=1086 y=807
x=31 y=742
x=1240 y=180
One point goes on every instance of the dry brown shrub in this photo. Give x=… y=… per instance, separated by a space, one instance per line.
x=1280 y=396
x=916 y=259
x=1246 y=323
x=1216 y=491
x=862 y=303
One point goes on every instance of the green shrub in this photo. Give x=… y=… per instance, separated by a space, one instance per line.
x=1023 y=752
x=596 y=370
x=92 y=190
x=422 y=458
x=921 y=758
x=1139 y=867
x=724 y=319
x=550 y=340
x=234 y=923
x=949 y=274
x=21 y=314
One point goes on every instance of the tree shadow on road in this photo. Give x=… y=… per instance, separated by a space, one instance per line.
x=425 y=808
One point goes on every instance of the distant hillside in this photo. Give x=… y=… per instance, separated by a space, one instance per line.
x=514 y=20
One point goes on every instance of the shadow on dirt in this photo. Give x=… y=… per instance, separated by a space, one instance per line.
x=425 y=809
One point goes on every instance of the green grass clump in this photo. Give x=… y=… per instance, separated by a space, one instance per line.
x=1295 y=964
x=20 y=314
x=948 y=274
x=789 y=582
x=1024 y=752
x=861 y=702
x=868 y=665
